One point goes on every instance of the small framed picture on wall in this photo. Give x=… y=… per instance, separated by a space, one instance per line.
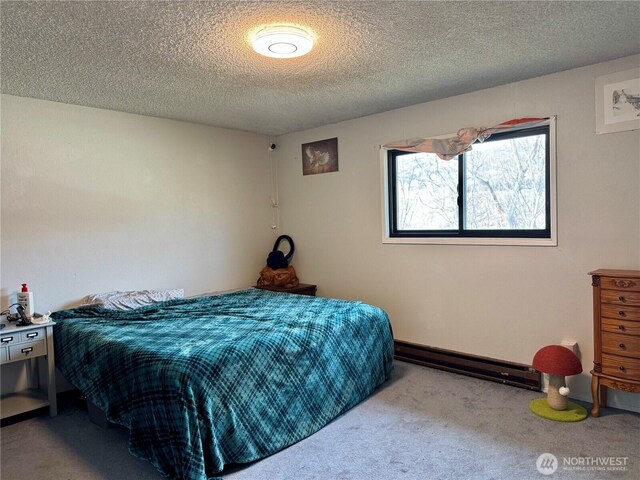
x=618 y=101
x=320 y=156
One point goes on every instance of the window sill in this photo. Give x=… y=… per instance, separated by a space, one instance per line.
x=516 y=242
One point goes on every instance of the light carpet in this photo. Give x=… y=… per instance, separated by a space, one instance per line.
x=422 y=424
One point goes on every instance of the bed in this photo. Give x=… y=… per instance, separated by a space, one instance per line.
x=207 y=382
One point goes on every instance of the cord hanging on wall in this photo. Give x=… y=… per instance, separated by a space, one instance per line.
x=274 y=189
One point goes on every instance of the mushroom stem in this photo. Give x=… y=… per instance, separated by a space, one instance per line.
x=554 y=399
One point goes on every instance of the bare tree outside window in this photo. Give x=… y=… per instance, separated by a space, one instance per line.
x=503 y=189
x=427 y=192
x=505 y=184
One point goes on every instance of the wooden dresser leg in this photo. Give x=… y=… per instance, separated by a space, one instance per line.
x=595 y=411
x=603 y=396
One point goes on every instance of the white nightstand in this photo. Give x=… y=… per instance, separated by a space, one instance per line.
x=34 y=344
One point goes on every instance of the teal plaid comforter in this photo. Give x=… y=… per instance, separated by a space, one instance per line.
x=206 y=382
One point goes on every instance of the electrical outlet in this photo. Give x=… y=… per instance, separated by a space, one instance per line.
x=571 y=345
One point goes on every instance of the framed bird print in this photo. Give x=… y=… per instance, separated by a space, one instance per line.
x=320 y=156
x=618 y=101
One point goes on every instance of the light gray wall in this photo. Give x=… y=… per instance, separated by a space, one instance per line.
x=96 y=200
x=501 y=302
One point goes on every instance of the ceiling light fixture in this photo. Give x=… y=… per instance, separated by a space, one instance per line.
x=282 y=42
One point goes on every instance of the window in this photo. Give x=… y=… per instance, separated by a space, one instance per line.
x=500 y=192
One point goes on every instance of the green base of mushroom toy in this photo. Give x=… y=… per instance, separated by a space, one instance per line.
x=573 y=413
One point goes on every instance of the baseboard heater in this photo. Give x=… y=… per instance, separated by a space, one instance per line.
x=509 y=373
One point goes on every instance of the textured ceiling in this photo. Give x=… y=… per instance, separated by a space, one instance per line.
x=192 y=60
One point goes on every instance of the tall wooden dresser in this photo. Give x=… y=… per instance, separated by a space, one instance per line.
x=616 y=334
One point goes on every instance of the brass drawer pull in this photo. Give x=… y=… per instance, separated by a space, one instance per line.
x=32 y=335
x=27 y=350
x=6 y=339
x=622 y=299
x=622 y=346
x=622 y=369
x=621 y=327
x=622 y=314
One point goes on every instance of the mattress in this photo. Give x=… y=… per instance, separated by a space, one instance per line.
x=206 y=382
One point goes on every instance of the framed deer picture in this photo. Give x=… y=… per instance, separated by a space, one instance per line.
x=618 y=101
x=320 y=156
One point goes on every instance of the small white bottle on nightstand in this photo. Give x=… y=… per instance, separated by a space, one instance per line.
x=25 y=298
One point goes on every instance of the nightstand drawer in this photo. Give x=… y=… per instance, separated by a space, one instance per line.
x=31 y=336
x=620 y=283
x=627 y=345
x=625 y=327
x=621 y=297
x=620 y=311
x=9 y=339
x=621 y=366
x=27 y=350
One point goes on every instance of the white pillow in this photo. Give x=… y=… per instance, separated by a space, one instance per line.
x=130 y=300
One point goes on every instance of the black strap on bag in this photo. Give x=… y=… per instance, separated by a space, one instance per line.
x=276 y=258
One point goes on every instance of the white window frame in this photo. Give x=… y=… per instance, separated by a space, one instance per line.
x=531 y=242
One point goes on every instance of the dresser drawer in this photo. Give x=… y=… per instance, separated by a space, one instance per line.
x=27 y=350
x=622 y=367
x=621 y=297
x=619 y=311
x=620 y=283
x=624 y=327
x=627 y=345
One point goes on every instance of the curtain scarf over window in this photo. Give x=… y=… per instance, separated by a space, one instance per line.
x=448 y=148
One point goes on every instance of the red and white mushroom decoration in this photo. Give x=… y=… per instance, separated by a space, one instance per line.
x=557 y=362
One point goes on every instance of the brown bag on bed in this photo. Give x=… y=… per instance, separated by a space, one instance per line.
x=282 y=277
